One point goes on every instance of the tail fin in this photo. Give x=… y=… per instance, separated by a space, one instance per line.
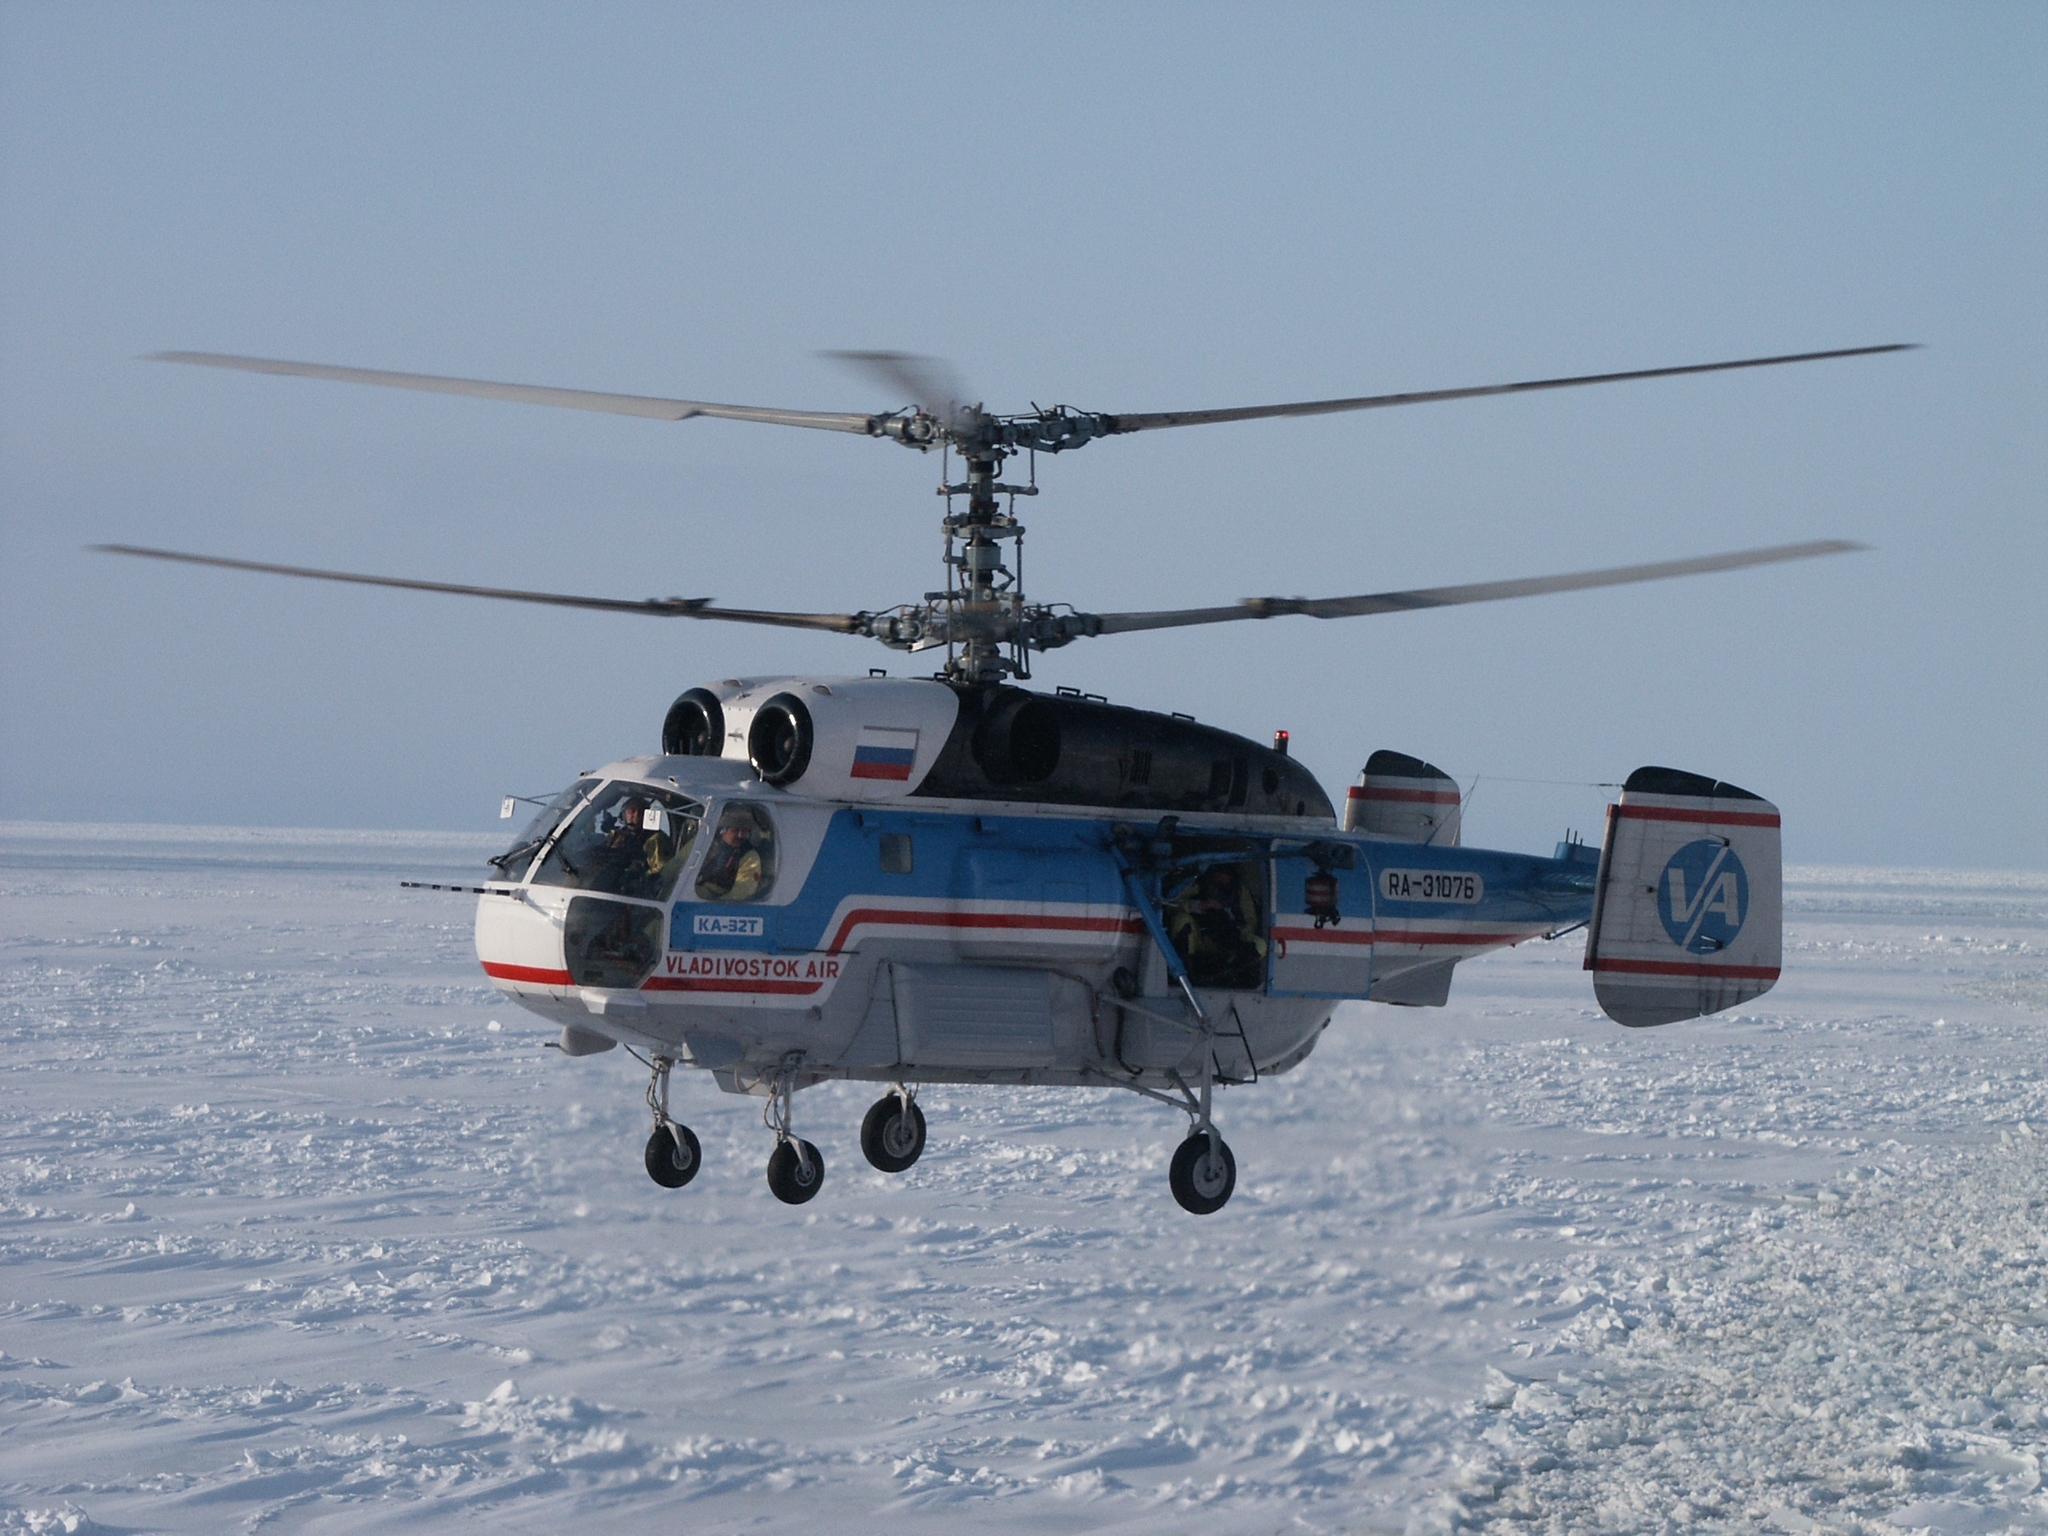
x=1686 y=916
x=1402 y=796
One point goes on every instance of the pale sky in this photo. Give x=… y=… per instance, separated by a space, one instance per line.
x=1128 y=209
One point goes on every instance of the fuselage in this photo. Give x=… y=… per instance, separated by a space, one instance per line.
x=875 y=932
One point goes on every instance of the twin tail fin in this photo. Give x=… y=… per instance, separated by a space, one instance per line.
x=1686 y=907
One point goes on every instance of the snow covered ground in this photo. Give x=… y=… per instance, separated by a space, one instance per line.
x=302 y=1229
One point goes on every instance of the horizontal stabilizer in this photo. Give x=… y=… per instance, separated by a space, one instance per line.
x=1686 y=911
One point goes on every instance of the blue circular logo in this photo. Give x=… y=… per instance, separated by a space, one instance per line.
x=1703 y=896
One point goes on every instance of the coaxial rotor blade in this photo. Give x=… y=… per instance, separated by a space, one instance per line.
x=533 y=394
x=660 y=607
x=927 y=382
x=1146 y=422
x=1444 y=597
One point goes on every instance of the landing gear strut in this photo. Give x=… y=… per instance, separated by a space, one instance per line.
x=1203 y=1172
x=673 y=1155
x=892 y=1135
x=796 y=1171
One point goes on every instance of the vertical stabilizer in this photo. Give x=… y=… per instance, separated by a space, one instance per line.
x=1686 y=917
x=1402 y=796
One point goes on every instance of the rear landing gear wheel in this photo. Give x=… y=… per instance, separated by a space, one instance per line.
x=1203 y=1178
x=795 y=1171
x=892 y=1135
x=673 y=1156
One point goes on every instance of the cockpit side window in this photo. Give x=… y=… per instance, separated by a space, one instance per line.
x=512 y=863
x=740 y=863
x=630 y=840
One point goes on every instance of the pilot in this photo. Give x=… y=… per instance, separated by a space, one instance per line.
x=635 y=853
x=1215 y=926
x=733 y=868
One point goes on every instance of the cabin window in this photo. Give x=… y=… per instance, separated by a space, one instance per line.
x=897 y=857
x=739 y=864
x=1216 y=917
x=630 y=840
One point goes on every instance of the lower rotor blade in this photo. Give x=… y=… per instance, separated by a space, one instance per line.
x=1445 y=597
x=531 y=394
x=660 y=607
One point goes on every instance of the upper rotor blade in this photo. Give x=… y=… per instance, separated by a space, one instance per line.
x=1444 y=597
x=1143 y=423
x=927 y=382
x=531 y=394
x=661 y=607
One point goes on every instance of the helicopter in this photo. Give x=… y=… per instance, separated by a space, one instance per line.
x=956 y=879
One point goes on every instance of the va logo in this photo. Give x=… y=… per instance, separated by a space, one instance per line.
x=1703 y=896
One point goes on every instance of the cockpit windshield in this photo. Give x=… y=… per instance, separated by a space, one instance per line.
x=511 y=864
x=630 y=840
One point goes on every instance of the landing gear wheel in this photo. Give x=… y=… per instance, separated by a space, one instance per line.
x=892 y=1135
x=793 y=1178
x=1201 y=1182
x=673 y=1156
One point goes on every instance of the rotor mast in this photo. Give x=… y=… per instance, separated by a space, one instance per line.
x=982 y=618
x=985 y=597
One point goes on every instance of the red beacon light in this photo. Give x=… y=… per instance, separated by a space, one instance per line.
x=1280 y=742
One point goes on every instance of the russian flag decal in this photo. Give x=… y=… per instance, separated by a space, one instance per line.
x=884 y=753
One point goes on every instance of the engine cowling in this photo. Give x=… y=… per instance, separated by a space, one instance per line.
x=885 y=738
x=840 y=738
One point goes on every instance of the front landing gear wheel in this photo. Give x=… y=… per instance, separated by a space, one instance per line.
x=1202 y=1180
x=892 y=1135
x=673 y=1156
x=795 y=1171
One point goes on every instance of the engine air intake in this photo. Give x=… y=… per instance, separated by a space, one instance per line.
x=779 y=741
x=695 y=726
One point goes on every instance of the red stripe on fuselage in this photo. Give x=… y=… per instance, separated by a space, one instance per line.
x=1424 y=796
x=1323 y=935
x=1431 y=936
x=1399 y=936
x=719 y=984
x=533 y=973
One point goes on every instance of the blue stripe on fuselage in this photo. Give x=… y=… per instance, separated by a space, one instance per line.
x=1518 y=888
x=967 y=857
x=953 y=857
